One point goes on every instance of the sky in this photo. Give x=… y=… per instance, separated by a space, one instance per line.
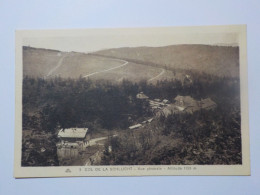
x=89 y=40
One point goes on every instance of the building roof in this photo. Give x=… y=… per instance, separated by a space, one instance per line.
x=141 y=95
x=73 y=133
x=165 y=101
x=167 y=111
x=135 y=126
x=150 y=120
x=184 y=98
x=180 y=108
x=186 y=101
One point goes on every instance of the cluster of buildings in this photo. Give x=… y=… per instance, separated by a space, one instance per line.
x=74 y=140
x=180 y=104
x=186 y=104
x=158 y=104
x=154 y=104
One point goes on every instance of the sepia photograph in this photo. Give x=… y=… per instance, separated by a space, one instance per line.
x=132 y=101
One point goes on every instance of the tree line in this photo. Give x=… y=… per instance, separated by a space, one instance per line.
x=64 y=103
x=204 y=137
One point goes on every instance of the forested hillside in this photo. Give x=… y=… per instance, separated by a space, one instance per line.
x=205 y=137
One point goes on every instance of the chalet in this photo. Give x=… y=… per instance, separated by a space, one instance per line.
x=142 y=96
x=68 y=151
x=155 y=104
x=72 y=142
x=167 y=111
x=165 y=101
x=184 y=100
x=73 y=137
x=179 y=108
x=186 y=103
x=73 y=134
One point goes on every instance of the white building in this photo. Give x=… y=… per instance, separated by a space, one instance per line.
x=72 y=141
x=141 y=95
x=73 y=135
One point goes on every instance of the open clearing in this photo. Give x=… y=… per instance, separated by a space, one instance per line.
x=49 y=64
x=161 y=73
x=124 y=64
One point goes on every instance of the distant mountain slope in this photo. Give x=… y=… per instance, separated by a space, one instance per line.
x=217 y=60
x=48 y=64
x=134 y=64
x=38 y=62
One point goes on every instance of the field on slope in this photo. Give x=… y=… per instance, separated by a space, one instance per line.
x=47 y=64
x=134 y=64
x=216 y=60
x=38 y=62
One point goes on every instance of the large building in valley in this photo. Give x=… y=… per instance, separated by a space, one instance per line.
x=73 y=135
x=71 y=142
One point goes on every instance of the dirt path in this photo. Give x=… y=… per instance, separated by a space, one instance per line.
x=56 y=67
x=94 y=141
x=161 y=73
x=94 y=158
x=97 y=155
x=124 y=64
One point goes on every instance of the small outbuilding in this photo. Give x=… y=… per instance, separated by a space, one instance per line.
x=165 y=101
x=141 y=95
x=186 y=103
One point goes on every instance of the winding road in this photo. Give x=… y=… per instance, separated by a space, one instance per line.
x=94 y=73
x=161 y=73
x=124 y=64
x=94 y=141
x=56 y=67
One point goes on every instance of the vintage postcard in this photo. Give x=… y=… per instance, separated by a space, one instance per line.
x=132 y=102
